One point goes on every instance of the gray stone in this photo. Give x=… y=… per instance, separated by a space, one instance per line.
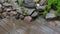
x=4 y=14
x=29 y=3
x=50 y=15
x=1 y=1
x=15 y=5
x=34 y=14
x=8 y=9
x=21 y=16
x=43 y=2
x=19 y=10
x=41 y=7
x=13 y=0
x=29 y=11
x=7 y=4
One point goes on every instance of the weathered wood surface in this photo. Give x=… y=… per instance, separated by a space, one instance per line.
x=13 y=26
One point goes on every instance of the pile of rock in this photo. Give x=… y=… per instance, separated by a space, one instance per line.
x=31 y=8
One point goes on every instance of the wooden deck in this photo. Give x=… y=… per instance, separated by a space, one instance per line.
x=13 y=26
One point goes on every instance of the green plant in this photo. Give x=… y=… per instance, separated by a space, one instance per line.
x=58 y=8
x=36 y=1
x=50 y=2
x=20 y=2
x=24 y=11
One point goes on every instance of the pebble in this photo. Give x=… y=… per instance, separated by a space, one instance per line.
x=27 y=19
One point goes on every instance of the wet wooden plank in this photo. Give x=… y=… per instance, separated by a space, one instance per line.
x=2 y=31
x=20 y=27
